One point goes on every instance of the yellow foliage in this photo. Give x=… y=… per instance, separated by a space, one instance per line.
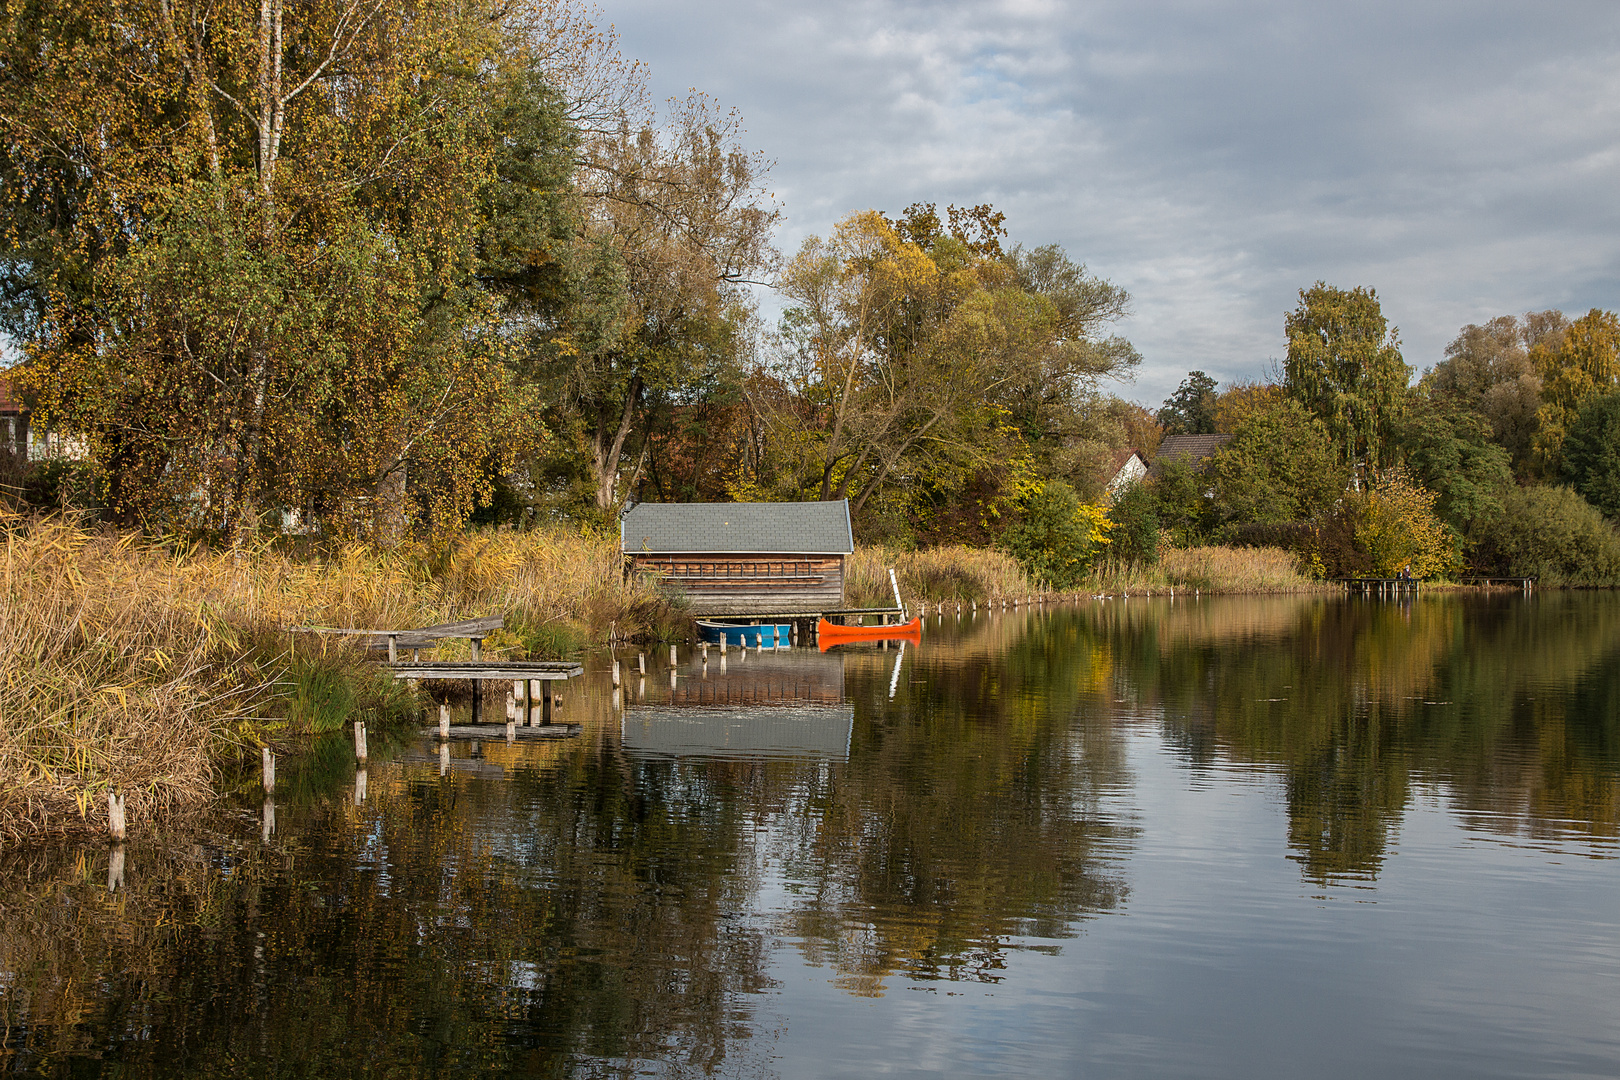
x=1396 y=524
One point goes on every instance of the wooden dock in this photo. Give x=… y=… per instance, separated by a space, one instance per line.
x=1381 y=586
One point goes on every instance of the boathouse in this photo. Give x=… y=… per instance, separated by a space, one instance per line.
x=744 y=558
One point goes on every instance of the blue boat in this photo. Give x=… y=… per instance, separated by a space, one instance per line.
x=771 y=635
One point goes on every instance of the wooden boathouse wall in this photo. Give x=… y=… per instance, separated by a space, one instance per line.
x=752 y=584
x=744 y=558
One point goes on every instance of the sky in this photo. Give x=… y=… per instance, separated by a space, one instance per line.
x=1463 y=159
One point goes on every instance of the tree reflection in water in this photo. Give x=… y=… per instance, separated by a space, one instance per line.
x=572 y=908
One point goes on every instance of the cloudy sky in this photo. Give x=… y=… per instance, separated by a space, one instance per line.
x=1461 y=158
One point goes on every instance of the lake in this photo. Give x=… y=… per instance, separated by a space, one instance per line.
x=1208 y=837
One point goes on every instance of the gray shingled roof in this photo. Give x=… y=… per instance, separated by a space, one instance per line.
x=796 y=528
x=1193 y=448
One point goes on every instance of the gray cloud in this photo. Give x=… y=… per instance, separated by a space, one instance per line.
x=1211 y=158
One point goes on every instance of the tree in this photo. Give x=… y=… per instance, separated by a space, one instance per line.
x=1241 y=400
x=1592 y=454
x=1488 y=370
x=1552 y=534
x=916 y=366
x=1576 y=365
x=1344 y=365
x=1279 y=466
x=1055 y=536
x=1395 y=524
x=247 y=275
x=1448 y=450
x=1191 y=409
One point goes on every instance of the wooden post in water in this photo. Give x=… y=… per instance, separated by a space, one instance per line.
x=705 y=652
x=359 y=786
x=672 y=678
x=115 y=868
x=673 y=656
x=615 y=671
x=360 y=741
x=511 y=732
x=444 y=722
x=115 y=818
x=269 y=762
x=269 y=828
x=641 y=663
x=722 y=644
x=444 y=758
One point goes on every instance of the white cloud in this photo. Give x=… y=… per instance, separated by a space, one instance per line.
x=1212 y=158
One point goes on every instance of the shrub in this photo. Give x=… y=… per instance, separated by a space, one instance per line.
x=1056 y=537
x=1553 y=534
x=1395 y=524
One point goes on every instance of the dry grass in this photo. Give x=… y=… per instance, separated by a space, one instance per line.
x=139 y=668
x=1214 y=570
x=938 y=574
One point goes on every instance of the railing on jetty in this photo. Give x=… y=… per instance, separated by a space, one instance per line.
x=1524 y=584
x=474 y=630
x=524 y=674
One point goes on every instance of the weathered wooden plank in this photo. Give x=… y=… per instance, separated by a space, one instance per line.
x=487 y=669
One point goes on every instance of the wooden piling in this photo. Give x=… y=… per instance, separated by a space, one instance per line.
x=641 y=663
x=359 y=786
x=115 y=817
x=722 y=646
x=511 y=731
x=444 y=722
x=444 y=758
x=615 y=671
x=269 y=811
x=705 y=652
x=360 y=741
x=673 y=656
x=115 y=868
x=269 y=763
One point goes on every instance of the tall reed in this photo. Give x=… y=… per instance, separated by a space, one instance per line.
x=953 y=572
x=1210 y=569
x=139 y=667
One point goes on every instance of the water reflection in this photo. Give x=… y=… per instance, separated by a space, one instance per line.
x=1510 y=704
x=597 y=904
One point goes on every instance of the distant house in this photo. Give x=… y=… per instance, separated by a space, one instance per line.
x=744 y=558
x=1195 y=450
x=1123 y=469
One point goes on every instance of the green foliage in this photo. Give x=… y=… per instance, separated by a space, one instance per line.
x=1592 y=454
x=1055 y=536
x=1448 y=450
x=1550 y=533
x=1134 y=538
x=1344 y=365
x=1191 y=409
x=1279 y=466
x=1184 y=506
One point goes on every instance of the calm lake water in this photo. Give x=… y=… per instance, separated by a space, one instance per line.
x=1241 y=837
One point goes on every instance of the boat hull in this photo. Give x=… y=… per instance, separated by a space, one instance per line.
x=828 y=634
x=770 y=635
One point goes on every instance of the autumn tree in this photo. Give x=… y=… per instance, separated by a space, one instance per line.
x=245 y=267
x=929 y=362
x=1576 y=365
x=1344 y=364
x=678 y=211
x=1488 y=370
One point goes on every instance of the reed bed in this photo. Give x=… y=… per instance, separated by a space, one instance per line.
x=1211 y=569
x=143 y=668
x=953 y=572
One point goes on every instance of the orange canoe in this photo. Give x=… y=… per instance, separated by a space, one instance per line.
x=833 y=634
